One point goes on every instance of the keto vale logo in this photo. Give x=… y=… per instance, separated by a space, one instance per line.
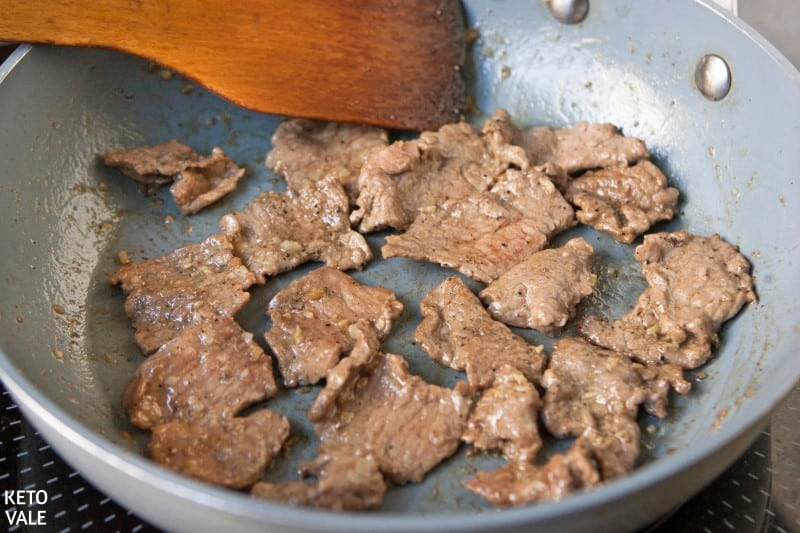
x=25 y=507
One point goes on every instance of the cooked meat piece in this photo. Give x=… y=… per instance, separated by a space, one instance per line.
x=624 y=201
x=232 y=452
x=695 y=284
x=505 y=417
x=399 y=180
x=596 y=393
x=584 y=146
x=344 y=483
x=478 y=236
x=504 y=139
x=457 y=331
x=279 y=231
x=311 y=319
x=152 y=166
x=193 y=283
x=308 y=150
x=519 y=482
x=542 y=291
x=201 y=183
x=372 y=406
x=484 y=235
x=210 y=370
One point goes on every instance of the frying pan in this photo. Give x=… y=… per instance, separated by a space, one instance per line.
x=67 y=347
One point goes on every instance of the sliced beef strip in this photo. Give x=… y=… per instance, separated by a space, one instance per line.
x=311 y=319
x=624 y=201
x=344 y=483
x=504 y=139
x=596 y=393
x=279 y=231
x=202 y=183
x=695 y=284
x=232 y=452
x=584 y=146
x=484 y=235
x=308 y=150
x=152 y=166
x=505 y=417
x=372 y=407
x=193 y=283
x=198 y=181
x=458 y=332
x=520 y=482
x=210 y=370
x=398 y=181
x=542 y=291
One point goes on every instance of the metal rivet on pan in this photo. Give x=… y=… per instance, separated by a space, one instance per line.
x=569 y=11
x=713 y=77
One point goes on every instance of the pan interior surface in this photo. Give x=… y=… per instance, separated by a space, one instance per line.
x=67 y=344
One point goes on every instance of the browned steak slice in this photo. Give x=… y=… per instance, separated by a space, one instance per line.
x=311 y=319
x=596 y=393
x=458 y=332
x=198 y=181
x=210 y=370
x=193 y=283
x=372 y=406
x=232 y=452
x=505 y=417
x=279 y=231
x=584 y=146
x=542 y=291
x=398 y=181
x=484 y=235
x=623 y=201
x=201 y=183
x=344 y=483
x=520 y=483
x=504 y=140
x=695 y=284
x=152 y=166
x=308 y=150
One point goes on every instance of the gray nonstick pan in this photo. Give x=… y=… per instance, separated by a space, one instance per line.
x=718 y=106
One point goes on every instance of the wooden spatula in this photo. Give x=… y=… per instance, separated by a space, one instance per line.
x=392 y=63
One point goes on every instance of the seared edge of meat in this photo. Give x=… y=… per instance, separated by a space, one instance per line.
x=231 y=452
x=695 y=284
x=210 y=370
x=520 y=482
x=623 y=201
x=197 y=281
x=542 y=291
x=198 y=181
x=201 y=183
x=458 y=332
x=344 y=483
x=279 y=231
x=503 y=140
x=312 y=316
x=152 y=166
